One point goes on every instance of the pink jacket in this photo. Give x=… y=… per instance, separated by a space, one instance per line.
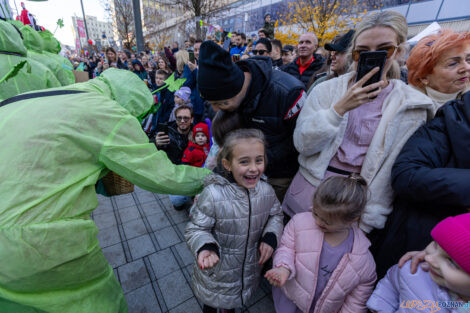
x=351 y=283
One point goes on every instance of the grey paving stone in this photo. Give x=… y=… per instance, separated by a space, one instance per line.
x=104 y=205
x=151 y=208
x=134 y=229
x=257 y=296
x=264 y=306
x=179 y=216
x=124 y=201
x=115 y=255
x=116 y=274
x=167 y=237
x=104 y=220
x=158 y=221
x=129 y=214
x=163 y=263
x=182 y=227
x=141 y=246
x=145 y=196
x=189 y=306
x=142 y=300
x=186 y=255
x=133 y=275
x=108 y=236
x=175 y=290
x=166 y=202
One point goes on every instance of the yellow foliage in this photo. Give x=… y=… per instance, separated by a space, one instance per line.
x=326 y=19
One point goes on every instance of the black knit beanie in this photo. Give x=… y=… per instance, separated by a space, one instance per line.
x=218 y=77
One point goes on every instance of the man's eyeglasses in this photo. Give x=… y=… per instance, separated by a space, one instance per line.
x=182 y=118
x=260 y=52
x=390 y=51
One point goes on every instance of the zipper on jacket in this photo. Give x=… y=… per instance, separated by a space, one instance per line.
x=246 y=245
x=325 y=292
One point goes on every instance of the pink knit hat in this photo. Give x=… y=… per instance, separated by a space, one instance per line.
x=453 y=235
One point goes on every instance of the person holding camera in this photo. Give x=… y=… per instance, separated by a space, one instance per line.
x=347 y=126
x=173 y=137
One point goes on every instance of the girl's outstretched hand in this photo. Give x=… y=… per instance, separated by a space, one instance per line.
x=277 y=276
x=207 y=259
x=265 y=252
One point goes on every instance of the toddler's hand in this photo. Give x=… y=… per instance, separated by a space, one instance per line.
x=265 y=252
x=277 y=276
x=207 y=259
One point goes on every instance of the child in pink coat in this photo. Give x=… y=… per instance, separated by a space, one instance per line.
x=323 y=263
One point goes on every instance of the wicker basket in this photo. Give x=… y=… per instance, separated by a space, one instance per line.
x=116 y=185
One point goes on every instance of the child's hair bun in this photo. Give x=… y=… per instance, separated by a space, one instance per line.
x=453 y=235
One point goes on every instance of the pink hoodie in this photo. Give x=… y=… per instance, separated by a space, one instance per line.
x=351 y=283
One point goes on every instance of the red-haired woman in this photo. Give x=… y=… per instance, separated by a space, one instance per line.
x=439 y=66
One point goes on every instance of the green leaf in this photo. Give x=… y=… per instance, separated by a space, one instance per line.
x=12 y=73
x=60 y=22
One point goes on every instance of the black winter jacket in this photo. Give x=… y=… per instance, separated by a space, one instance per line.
x=431 y=179
x=272 y=105
x=293 y=69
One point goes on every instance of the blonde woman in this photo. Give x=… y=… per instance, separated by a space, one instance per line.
x=182 y=58
x=346 y=128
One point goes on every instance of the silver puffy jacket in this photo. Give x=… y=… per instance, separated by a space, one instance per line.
x=235 y=219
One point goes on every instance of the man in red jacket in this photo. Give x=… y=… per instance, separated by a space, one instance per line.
x=197 y=150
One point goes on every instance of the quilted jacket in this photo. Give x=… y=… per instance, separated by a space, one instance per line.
x=350 y=284
x=234 y=219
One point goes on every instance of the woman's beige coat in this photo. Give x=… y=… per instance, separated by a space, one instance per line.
x=320 y=131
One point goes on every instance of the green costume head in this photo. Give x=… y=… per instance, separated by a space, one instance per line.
x=16 y=23
x=128 y=90
x=31 y=39
x=10 y=43
x=50 y=43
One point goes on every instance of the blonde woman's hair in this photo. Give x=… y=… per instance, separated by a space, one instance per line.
x=392 y=20
x=182 y=58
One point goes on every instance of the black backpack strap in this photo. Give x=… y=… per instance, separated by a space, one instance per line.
x=39 y=95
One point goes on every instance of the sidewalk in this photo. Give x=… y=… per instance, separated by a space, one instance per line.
x=142 y=237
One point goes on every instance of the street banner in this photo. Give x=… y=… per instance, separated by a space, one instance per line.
x=81 y=29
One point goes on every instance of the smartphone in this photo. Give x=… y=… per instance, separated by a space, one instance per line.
x=163 y=127
x=191 y=56
x=235 y=58
x=368 y=60
x=227 y=43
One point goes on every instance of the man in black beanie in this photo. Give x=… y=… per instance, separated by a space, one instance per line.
x=266 y=99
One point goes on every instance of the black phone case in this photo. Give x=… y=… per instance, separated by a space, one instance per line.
x=163 y=127
x=369 y=60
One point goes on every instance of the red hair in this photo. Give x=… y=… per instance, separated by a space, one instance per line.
x=425 y=55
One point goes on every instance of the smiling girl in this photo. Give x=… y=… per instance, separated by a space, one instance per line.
x=235 y=225
x=448 y=280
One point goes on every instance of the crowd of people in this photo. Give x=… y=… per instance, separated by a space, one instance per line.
x=347 y=196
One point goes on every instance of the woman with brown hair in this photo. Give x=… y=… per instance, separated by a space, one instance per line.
x=113 y=59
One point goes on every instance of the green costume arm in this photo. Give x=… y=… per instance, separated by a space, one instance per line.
x=127 y=152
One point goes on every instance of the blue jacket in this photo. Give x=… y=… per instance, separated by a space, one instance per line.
x=191 y=83
x=237 y=50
